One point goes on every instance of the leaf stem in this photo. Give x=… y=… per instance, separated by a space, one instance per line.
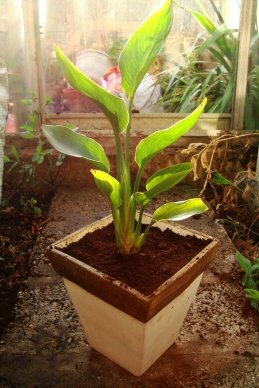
x=117 y=226
x=129 y=209
x=127 y=145
x=139 y=223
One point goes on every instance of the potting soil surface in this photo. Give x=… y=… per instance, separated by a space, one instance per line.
x=44 y=346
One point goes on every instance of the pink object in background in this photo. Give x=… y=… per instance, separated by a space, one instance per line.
x=111 y=80
x=146 y=95
x=11 y=123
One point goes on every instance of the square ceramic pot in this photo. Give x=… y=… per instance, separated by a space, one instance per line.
x=131 y=329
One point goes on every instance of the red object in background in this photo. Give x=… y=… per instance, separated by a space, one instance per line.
x=10 y=123
x=111 y=80
x=146 y=95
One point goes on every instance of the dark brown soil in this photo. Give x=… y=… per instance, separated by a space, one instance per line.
x=18 y=232
x=163 y=254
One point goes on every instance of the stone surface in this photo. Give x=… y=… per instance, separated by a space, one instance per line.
x=45 y=346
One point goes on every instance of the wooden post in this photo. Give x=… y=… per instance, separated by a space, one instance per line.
x=33 y=52
x=246 y=20
x=4 y=95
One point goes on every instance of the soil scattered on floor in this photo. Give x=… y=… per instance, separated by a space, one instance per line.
x=19 y=229
x=217 y=346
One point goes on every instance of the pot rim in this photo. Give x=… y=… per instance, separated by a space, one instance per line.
x=91 y=279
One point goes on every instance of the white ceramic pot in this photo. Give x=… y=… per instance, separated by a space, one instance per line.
x=131 y=329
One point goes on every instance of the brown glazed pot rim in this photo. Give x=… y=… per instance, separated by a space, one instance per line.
x=121 y=295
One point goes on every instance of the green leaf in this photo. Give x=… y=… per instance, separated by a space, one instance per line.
x=37 y=211
x=252 y=294
x=168 y=177
x=255 y=267
x=163 y=180
x=68 y=142
x=15 y=153
x=217 y=39
x=251 y=284
x=219 y=179
x=159 y=140
x=6 y=159
x=142 y=48
x=228 y=96
x=26 y=101
x=48 y=100
x=113 y=106
x=204 y=21
x=227 y=45
x=244 y=263
x=142 y=198
x=109 y=186
x=175 y=211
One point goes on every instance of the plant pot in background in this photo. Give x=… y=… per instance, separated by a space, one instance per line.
x=128 y=327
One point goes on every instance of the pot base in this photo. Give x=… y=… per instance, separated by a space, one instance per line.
x=130 y=343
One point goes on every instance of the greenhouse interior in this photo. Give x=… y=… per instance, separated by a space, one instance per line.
x=123 y=125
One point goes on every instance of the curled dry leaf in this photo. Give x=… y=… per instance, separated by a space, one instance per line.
x=249 y=142
x=195 y=168
x=247 y=192
x=205 y=162
x=193 y=147
x=230 y=197
x=250 y=174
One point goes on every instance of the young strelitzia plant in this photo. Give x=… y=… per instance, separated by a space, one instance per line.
x=126 y=200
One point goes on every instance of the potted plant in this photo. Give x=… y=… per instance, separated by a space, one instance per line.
x=130 y=299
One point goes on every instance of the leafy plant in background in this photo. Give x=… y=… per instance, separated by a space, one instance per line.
x=116 y=49
x=135 y=60
x=29 y=128
x=27 y=169
x=236 y=207
x=30 y=207
x=33 y=117
x=250 y=279
x=233 y=200
x=209 y=70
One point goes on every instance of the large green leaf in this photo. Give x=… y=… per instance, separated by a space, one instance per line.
x=113 y=106
x=143 y=47
x=159 y=140
x=163 y=180
x=175 y=211
x=69 y=142
x=109 y=186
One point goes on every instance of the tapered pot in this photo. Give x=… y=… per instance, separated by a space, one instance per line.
x=130 y=328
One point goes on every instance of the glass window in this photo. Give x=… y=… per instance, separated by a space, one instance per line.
x=198 y=59
x=13 y=54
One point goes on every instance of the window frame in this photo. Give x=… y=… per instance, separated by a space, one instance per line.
x=210 y=124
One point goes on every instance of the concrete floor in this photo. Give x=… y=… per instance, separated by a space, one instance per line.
x=45 y=346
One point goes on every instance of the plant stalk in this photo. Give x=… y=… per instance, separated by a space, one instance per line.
x=127 y=177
